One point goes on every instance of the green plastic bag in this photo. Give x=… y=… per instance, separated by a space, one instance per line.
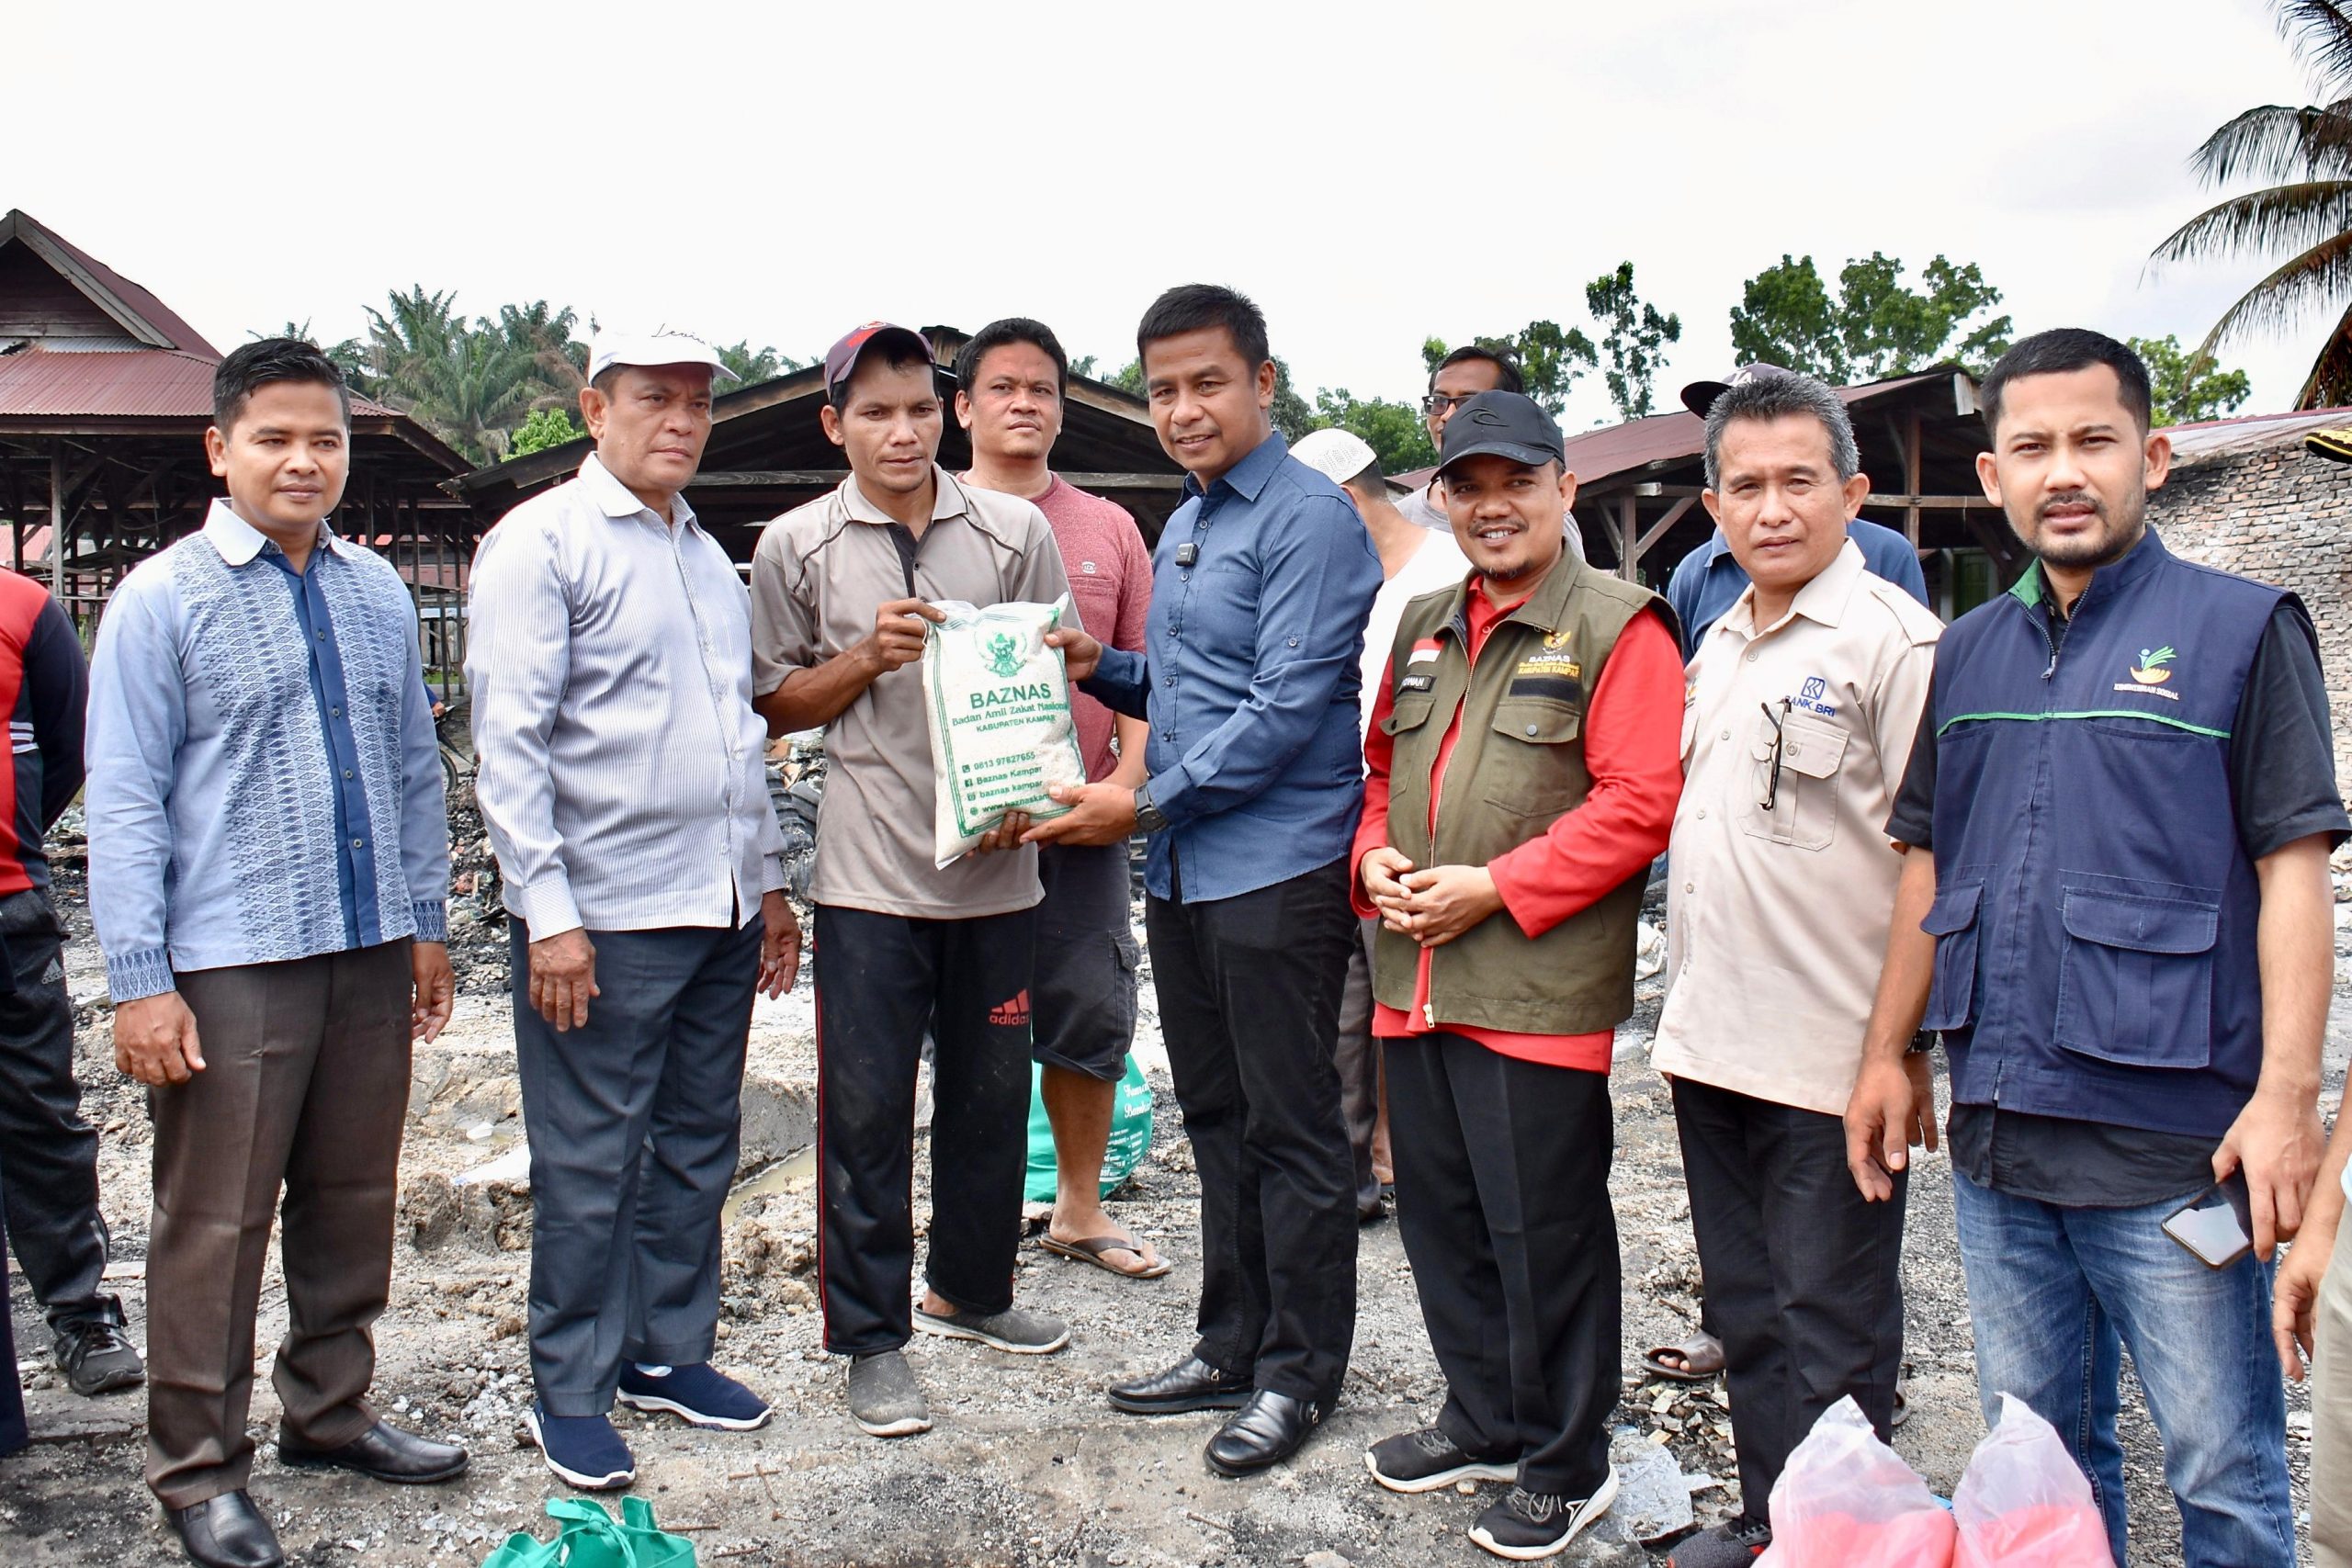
x=1130 y=1134
x=591 y=1540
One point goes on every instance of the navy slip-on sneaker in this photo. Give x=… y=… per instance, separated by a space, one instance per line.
x=583 y=1451
x=697 y=1394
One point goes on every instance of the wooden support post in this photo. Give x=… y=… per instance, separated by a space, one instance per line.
x=1911 y=478
x=57 y=525
x=1629 y=542
x=1656 y=531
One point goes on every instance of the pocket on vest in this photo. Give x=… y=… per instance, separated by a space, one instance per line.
x=1951 y=920
x=2136 y=985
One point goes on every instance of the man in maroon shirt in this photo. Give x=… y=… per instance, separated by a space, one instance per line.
x=1553 y=691
x=1011 y=379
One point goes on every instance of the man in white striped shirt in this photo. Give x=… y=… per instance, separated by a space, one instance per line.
x=622 y=776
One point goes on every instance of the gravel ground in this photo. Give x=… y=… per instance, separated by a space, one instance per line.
x=1027 y=1466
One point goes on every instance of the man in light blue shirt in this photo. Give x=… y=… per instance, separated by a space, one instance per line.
x=268 y=871
x=1708 y=582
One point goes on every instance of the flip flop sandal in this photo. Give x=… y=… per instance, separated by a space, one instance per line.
x=1091 y=1249
x=1702 y=1355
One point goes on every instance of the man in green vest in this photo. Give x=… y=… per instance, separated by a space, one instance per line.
x=1545 y=698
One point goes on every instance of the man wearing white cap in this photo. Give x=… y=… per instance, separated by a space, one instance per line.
x=622 y=777
x=1414 y=560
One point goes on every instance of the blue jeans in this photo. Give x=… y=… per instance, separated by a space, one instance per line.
x=2056 y=1293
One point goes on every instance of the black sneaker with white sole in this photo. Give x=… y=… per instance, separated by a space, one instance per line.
x=1527 y=1526
x=1428 y=1459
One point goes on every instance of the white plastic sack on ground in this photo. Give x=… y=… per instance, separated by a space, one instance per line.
x=1001 y=728
x=1845 y=1500
x=2023 y=1501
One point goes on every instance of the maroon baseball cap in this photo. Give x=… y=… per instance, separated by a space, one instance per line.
x=842 y=358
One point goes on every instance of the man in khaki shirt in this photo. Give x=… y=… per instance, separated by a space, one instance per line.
x=1801 y=705
x=841 y=589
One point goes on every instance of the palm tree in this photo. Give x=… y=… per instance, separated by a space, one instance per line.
x=2305 y=213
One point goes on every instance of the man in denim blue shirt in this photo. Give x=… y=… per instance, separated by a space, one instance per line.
x=1262 y=582
x=269 y=866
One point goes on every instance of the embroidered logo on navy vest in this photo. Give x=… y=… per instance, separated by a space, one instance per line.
x=2148 y=676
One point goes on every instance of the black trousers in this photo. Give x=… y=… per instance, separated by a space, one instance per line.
x=1804 y=1278
x=1502 y=1196
x=12 y=1395
x=635 y=1124
x=49 y=1154
x=880 y=979
x=1249 y=991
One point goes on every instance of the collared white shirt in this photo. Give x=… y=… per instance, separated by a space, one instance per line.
x=622 y=773
x=1777 y=918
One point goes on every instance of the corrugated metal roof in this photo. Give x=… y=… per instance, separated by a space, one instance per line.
x=148 y=383
x=2250 y=432
x=157 y=315
x=1674 y=437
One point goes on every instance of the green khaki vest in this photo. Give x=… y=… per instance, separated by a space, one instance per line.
x=1517 y=768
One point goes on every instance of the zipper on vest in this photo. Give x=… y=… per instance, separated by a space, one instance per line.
x=2042 y=624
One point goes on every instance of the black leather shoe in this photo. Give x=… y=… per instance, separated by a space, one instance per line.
x=1266 y=1431
x=227 y=1531
x=1190 y=1384
x=383 y=1452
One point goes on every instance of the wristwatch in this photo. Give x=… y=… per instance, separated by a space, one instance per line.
x=1922 y=1043
x=1149 y=818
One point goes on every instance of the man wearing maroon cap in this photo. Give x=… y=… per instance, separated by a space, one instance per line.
x=841 y=590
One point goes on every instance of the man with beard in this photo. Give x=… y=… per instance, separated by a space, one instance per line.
x=1522 y=776
x=2125 y=774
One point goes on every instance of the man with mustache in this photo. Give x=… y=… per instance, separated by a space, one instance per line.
x=2125 y=776
x=1522 y=776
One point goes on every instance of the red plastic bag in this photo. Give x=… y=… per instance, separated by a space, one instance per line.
x=1845 y=1500
x=2023 y=1501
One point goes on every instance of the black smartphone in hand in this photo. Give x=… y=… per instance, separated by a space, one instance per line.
x=2217 y=1225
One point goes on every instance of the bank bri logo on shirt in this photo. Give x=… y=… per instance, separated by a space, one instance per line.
x=1812 y=697
x=2148 y=676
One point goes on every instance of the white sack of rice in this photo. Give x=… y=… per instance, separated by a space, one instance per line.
x=1001 y=728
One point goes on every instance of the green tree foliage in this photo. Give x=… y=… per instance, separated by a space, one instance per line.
x=1632 y=335
x=2186 y=386
x=349 y=355
x=1292 y=413
x=1127 y=377
x=1551 y=358
x=544 y=428
x=1394 y=431
x=753 y=365
x=1874 y=326
x=2299 y=222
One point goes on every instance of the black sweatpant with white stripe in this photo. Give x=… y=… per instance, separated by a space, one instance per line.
x=881 y=979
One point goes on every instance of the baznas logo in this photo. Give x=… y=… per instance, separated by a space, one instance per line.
x=2151 y=671
x=1004 y=656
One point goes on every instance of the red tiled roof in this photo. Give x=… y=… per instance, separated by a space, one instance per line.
x=151 y=383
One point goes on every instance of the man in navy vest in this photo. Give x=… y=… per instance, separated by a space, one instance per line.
x=2123 y=932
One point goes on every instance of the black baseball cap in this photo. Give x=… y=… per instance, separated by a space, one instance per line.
x=1506 y=424
x=1700 y=395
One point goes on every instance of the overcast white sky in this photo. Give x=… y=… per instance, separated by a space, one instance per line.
x=1372 y=173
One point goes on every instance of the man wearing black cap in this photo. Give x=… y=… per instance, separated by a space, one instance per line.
x=1528 y=724
x=841 y=589
x=1708 y=582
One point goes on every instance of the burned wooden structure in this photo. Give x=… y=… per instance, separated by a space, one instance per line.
x=768 y=453
x=104 y=394
x=1638 y=486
